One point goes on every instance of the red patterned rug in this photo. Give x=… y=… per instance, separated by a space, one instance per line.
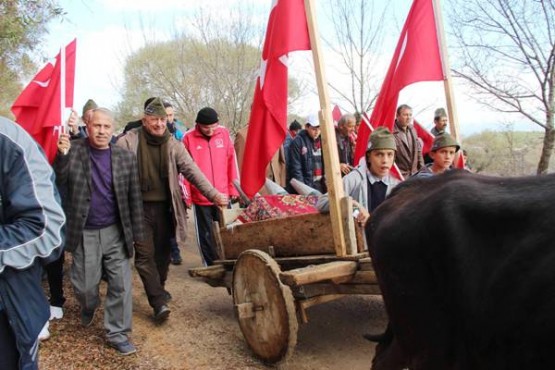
x=278 y=206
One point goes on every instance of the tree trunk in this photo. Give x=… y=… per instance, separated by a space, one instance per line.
x=548 y=142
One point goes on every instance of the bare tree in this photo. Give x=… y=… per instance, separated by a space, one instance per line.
x=358 y=38
x=507 y=54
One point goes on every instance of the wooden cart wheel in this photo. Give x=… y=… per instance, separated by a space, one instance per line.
x=265 y=307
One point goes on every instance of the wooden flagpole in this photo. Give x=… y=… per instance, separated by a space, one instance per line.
x=339 y=217
x=447 y=79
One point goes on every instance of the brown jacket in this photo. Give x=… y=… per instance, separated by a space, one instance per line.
x=276 y=168
x=408 y=161
x=180 y=161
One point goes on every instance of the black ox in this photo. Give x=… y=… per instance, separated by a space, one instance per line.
x=466 y=265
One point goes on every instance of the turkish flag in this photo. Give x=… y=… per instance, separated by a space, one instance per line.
x=460 y=162
x=425 y=136
x=38 y=108
x=416 y=58
x=336 y=114
x=287 y=31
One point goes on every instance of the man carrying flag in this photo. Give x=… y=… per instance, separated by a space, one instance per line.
x=287 y=31
x=38 y=109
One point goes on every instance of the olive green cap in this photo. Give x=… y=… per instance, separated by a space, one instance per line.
x=156 y=108
x=440 y=112
x=381 y=138
x=90 y=104
x=444 y=140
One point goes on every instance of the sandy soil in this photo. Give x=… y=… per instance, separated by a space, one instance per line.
x=202 y=332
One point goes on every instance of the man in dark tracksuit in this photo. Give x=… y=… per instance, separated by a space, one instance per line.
x=31 y=223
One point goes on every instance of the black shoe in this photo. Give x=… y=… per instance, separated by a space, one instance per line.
x=87 y=318
x=176 y=261
x=167 y=296
x=161 y=313
x=124 y=348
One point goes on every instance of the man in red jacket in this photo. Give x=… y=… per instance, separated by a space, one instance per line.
x=212 y=150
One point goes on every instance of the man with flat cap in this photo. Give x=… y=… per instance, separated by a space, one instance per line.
x=161 y=158
x=212 y=150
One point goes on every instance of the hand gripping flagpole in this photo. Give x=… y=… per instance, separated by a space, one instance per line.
x=63 y=123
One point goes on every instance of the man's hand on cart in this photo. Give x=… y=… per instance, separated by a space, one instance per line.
x=221 y=200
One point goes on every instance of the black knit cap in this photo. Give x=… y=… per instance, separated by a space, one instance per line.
x=207 y=116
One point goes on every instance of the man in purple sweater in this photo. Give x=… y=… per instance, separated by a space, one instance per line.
x=105 y=218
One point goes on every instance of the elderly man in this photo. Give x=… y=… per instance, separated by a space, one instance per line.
x=75 y=130
x=31 y=220
x=345 y=128
x=161 y=158
x=305 y=157
x=104 y=209
x=409 y=150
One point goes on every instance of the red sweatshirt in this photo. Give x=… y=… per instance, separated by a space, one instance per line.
x=215 y=156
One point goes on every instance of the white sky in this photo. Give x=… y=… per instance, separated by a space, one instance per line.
x=109 y=30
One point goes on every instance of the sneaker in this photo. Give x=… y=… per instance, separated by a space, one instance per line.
x=44 y=333
x=161 y=313
x=124 y=348
x=87 y=317
x=56 y=313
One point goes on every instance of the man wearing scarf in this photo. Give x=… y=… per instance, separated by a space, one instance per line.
x=161 y=158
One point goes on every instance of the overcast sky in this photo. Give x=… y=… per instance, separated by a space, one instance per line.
x=109 y=30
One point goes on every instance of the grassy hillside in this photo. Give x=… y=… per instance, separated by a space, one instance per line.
x=505 y=153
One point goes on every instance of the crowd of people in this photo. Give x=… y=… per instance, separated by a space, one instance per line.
x=125 y=198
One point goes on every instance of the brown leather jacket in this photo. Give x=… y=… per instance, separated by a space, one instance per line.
x=409 y=161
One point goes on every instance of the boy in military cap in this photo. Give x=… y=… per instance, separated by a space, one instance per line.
x=442 y=153
x=370 y=182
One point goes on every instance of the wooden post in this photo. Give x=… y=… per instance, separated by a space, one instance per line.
x=329 y=143
x=447 y=80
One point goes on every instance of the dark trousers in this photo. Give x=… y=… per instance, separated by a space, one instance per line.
x=10 y=356
x=152 y=255
x=204 y=217
x=55 y=273
x=175 y=252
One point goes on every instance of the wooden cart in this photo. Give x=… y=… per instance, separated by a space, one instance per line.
x=276 y=269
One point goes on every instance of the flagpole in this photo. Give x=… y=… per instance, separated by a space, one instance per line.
x=447 y=81
x=341 y=236
x=62 y=88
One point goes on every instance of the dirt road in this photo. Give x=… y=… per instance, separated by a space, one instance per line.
x=202 y=332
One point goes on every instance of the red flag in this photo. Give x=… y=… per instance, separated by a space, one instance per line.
x=287 y=31
x=336 y=114
x=38 y=107
x=416 y=58
x=425 y=136
x=460 y=162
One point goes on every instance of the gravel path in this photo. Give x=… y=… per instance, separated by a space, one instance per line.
x=202 y=332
